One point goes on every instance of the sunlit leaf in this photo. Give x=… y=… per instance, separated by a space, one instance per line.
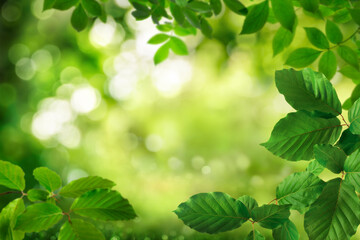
x=315 y=168
x=212 y=212
x=333 y=32
x=302 y=57
x=328 y=64
x=255 y=235
x=282 y=39
x=8 y=217
x=256 y=18
x=158 y=38
x=11 y=176
x=79 y=230
x=162 y=53
x=47 y=178
x=103 y=204
x=335 y=214
x=284 y=12
x=37 y=195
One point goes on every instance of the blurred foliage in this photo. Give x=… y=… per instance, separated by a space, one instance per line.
x=92 y=103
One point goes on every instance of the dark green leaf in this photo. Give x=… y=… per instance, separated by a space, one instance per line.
x=282 y=39
x=212 y=212
x=310 y=5
x=328 y=64
x=48 y=4
x=65 y=4
x=205 y=28
x=342 y=16
x=271 y=216
x=192 y=18
x=92 y=7
x=178 y=46
x=79 y=19
x=300 y=190
x=198 y=6
x=355 y=14
x=351 y=72
x=37 y=195
x=39 y=217
x=333 y=32
x=315 y=168
x=11 y=176
x=8 y=217
x=255 y=235
x=177 y=13
x=158 y=38
x=284 y=12
x=162 y=53
x=256 y=18
x=352 y=169
x=47 y=178
x=79 y=230
x=355 y=95
x=317 y=38
x=348 y=55
x=302 y=57
x=287 y=231
x=271 y=18
x=348 y=142
x=335 y=214
x=308 y=90
x=294 y=136
x=249 y=202
x=347 y=104
x=330 y=157
x=103 y=204
x=216 y=6
x=140 y=15
x=236 y=6
x=354 y=117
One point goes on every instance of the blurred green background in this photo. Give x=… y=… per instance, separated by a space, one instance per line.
x=93 y=103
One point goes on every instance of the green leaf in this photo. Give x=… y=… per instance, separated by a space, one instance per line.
x=315 y=168
x=317 y=38
x=162 y=53
x=348 y=142
x=330 y=157
x=294 y=136
x=212 y=212
x=79 y=19
x=141 y=15
x=355 y=14
x=216 y=6
x=181 y=3
x=198 y=6
x=8 y=217
x=284 y=12
x=300 y=190
x=328 y=64
x=37 y=195
x=302 y=57
x=352 y=169
x=354 y=117
x=256 y=18
x=310 y=5
x=282 y=39
x=177 y=13
x=348 y=55
x=192 y=18
x=255 y=235
x=39 y=217
x=335 y=214
x=48 y=4
x=103 y=204
x=92 y=7
x=79 y=230
x=342 y=16
x=178 y=46
x=205 y=28
x=47 y=178
x=164 y=27
x=249 y=202
x=351 y=72
x=287 y=231
x=158 y=38
x=308 y=90
x=236 y=6
x=80 y=186
x=11 y=176
x=271 y=216
x=65 y=4
x=333 y=32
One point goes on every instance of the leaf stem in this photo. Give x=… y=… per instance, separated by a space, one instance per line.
x=345 y=40
x=68 y=216
x=9 y=192
x=272 y=201
x=344 y=120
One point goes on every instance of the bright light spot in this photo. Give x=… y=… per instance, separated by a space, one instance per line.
x=101 y=34
x=243 y=162
x=123 y=3
x=51 y=118
x=175 y=163
x=85 y=99
x=42 y=59
x=37 y=10
x=122 y=85
x=70 y=74
x=75 y=174
x=154 y=143
x=25 y=68
x=170 y=76
x=69 y=136
x=197 y=162
x=206 y=170
x=256 y=181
